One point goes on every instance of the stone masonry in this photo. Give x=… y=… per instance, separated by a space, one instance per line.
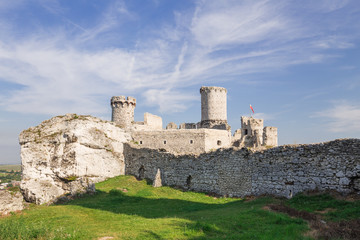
x=213 y=108
x=123 y=110
x=280 y=171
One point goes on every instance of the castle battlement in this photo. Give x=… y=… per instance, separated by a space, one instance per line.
x=123 y=110
x=215 y=89
x=122 y=100
x=150 y=132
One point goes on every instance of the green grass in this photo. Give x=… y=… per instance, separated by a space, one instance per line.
x=125 y=208
x=10 y=167
x=336 y=209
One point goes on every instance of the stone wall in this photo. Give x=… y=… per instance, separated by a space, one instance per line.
x=182 y=141
x=281 y=171
x=253 y=134
x=153 y=121
x=270 y=137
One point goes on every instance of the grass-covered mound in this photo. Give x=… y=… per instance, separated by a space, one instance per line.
x=124 y=208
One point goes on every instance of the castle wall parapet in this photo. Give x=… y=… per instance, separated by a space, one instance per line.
x=183 y=141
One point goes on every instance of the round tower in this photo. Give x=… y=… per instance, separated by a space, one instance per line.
x=123 y=110
x=214 y=108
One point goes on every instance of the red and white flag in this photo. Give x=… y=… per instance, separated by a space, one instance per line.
x=252 y=108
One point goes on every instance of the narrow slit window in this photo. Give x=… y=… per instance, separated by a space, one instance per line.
x=140 y=142
x=191 y=141
x=164 y=141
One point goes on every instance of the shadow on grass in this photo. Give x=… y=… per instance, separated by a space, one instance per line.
x=117 y=201
x=234 y=220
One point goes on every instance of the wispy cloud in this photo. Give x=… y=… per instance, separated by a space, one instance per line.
x=211 y=41
x=333 y=42
x=341 y=117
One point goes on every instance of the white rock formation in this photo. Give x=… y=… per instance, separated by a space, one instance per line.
x=10 y=202
x=68 y=154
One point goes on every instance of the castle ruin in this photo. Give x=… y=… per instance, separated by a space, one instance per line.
x=68 y=154
x=211 y=133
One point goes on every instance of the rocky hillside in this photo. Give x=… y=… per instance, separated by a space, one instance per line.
x=68 y=154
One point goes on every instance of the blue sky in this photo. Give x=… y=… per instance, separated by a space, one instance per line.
x=297 y=62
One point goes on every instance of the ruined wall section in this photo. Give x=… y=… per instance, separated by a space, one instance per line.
x=153 y=121
x=287 y=170
x=173 y=140
x=215 y=139
x=205 y=173
x=270 y=137
x=183 y=141
x=281 y=171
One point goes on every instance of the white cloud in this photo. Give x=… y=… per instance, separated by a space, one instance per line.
x=333 y=42
x=218 y=24
x=327 y=5
x=169 y=100
x=342 y=117
x=215 y=42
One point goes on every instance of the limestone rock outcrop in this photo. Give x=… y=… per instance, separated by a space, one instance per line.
x=68 y=154
x=10 y=202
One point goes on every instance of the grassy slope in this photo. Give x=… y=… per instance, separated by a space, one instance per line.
x=125 y=208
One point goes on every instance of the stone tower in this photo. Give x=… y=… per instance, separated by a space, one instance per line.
x=123 y=110
x=213 y=108
x=252 y=130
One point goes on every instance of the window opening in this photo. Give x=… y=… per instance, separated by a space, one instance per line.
x=141 y=172
x=188 y=181
x=218 y=142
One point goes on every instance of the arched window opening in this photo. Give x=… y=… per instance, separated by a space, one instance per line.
x=141 y=173
x=188 y=181
x=218 y=142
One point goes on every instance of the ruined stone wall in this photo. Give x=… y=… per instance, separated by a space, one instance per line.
x=253 y=134
x=281 y=171
x=287 y=170
x=270 y=137
x=215 y=139
x=153 y=121
x=183 y=141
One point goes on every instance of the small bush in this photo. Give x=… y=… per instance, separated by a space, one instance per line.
x=71 y=178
